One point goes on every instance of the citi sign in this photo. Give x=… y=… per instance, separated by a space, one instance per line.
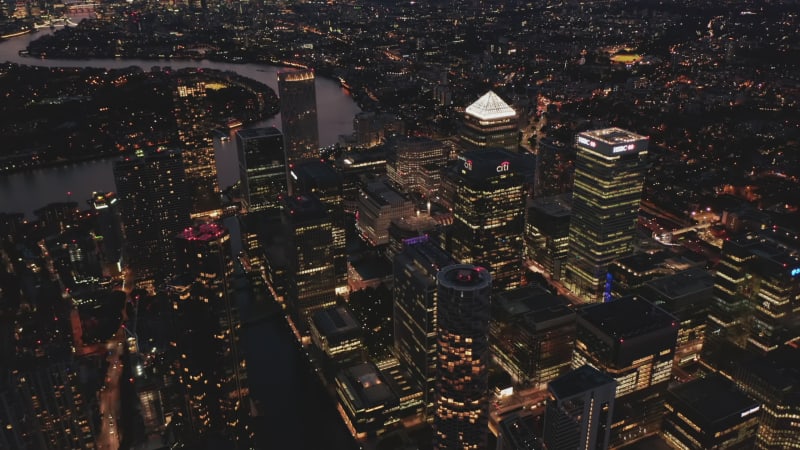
x=503 y=167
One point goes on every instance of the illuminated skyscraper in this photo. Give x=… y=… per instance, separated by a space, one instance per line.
x=107 y=228
x=462 y=384
x=211 y=366
x=490 y=123
x=298 y=115
x=547 y=232
x=532 y=334
x=579 y=410
x=489 y=213
x=415 y=304
x=324 y=182
x=312 y=278
x=262 y=168
x=609 y=174
x=155 y=207
x=196 y=141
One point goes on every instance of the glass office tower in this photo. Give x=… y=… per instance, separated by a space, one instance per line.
x=609 y=174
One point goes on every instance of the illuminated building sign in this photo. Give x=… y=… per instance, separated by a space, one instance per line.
x=612 y=141
x=623 y=148
x=588 y=142
x=750 y=411
x=467 y=162
x=503 y=167
x=416 y=240
x=795 y=272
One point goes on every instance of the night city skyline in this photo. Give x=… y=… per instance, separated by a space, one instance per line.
x=367 y=225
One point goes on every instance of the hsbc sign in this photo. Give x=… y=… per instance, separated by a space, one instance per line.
x=587 y=142
x=623 y=148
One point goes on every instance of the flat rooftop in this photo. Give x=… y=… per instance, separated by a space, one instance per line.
x=612 y=142
x=780 y=369
x=519 y=432
x=534 y=307
x=335 y=321
x=383 y=194
x=555 y=206
x=205 y=232
x=642 y=262
x=359 y=159
x=252 y=133
x=712 y=401
x=422 y=222
x=627 y=317
x=368 y=386
x=582 y=379
x=372 y=267
x=614 y=136
x=305 y=207
x=521 y=300
x=769 y=249
x=317 y=174
x=683 y=283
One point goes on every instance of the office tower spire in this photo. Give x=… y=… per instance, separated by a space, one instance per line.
x=609 y=174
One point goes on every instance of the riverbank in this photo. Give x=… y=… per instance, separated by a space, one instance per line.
x=53 y=117
x=27 y=190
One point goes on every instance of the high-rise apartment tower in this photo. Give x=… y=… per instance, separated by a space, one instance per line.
x=462 y=403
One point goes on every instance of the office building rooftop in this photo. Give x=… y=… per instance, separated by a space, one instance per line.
x=335 y=322
x=613 y=136
x=612 y=141
x=490 y=107
x=251 y=133
x=368 y=386
x=580 y=380
x=627 y=317
x=682 y=283
x=712 y=402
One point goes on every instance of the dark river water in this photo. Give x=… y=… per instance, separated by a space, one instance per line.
x=27 y=191
x=296 y=412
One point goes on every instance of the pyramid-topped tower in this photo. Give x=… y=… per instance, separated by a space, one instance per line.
x=490 y=107
x=490 y=123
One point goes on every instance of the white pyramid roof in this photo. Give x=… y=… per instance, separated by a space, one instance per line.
x=490 y=107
